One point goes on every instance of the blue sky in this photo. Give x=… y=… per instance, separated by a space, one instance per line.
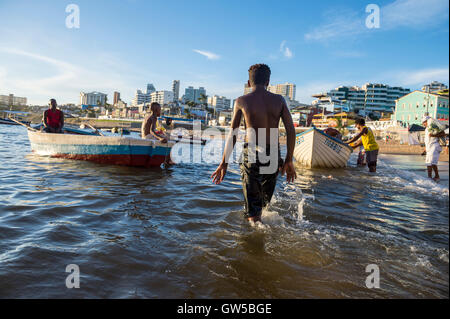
x=123 y=45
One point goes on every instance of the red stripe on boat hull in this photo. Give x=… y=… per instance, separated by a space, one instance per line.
x=124 y=160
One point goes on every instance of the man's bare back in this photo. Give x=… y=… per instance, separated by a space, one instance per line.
x=261 y=109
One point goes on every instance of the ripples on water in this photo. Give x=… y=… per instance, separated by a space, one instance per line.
x=157 y=233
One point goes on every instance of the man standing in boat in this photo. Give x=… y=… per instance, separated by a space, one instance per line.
x=53 y=118
x=262 y=111
x=367 y=140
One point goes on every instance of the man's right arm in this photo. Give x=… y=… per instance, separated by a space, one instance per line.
x=44 y=118
x=221 y=171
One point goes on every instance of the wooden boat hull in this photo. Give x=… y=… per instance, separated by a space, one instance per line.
x=100 y=149
x=315 y=149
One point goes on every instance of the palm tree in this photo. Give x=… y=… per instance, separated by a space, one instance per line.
x=203 y=99
x=191 y=103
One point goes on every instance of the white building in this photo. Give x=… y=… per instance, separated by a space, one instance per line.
x=11 y=100
x=93 y=98
x=287 y=90
x=434 y=86
x=370 y=97
x=141 y=97
x=219 y=102
x=162 y=97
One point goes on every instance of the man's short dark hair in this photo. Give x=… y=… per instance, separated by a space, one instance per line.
x=259 y=74
x=360 y=121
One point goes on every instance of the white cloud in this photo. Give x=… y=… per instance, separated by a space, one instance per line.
x=208 y=55
x=285 y=50
x=420 y=77
x=400 y=13
x=413 y=13
x=64 y=84
x=343 y=23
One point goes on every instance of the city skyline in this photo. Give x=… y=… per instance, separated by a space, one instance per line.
x=322 y=46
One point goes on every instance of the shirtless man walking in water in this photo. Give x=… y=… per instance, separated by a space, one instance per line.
x=262 y=112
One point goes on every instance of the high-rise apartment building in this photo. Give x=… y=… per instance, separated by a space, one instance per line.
x=287 y=90
x=140 y=98
x=219 y=102
x=162 y=97
x=116 y=98
x=11 y=100
x=176 y=90
x=193 y=95
x=150 y=88
x=371 y=97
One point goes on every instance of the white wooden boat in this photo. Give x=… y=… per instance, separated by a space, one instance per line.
x=113 y=150
x=315 y=149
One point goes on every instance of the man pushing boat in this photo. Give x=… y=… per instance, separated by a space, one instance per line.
x=261 y=160
x=367 y=140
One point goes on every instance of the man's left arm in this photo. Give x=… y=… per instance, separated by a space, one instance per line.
x=288 y=166
x=61 y=121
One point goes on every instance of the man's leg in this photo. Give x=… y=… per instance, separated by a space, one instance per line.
x=252 y=189
x=269 y=183
x=436 y=154
x=268 y=187
x=436 y=172
x=430 y=171
x=372 y=158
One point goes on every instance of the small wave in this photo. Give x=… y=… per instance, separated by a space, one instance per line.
x=414 y=182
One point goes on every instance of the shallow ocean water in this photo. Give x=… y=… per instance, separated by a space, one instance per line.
x=171 y=233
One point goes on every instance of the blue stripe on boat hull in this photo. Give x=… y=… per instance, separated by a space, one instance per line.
x=100 y=149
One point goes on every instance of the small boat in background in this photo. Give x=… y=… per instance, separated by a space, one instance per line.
x=315 y=149
x=5 y=117
x=79 y=145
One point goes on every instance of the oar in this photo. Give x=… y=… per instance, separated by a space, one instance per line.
x=94 y=129
x=23 y=124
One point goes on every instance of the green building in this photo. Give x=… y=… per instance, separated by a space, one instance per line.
x=410 y=108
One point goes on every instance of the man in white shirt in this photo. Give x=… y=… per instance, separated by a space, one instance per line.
x=433 y=149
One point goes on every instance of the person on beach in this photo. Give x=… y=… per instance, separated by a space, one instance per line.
x=367 y=140
x=446 y=140
x=53 y=118
x=149 y=125
x=433 y=149
x=260 y=164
